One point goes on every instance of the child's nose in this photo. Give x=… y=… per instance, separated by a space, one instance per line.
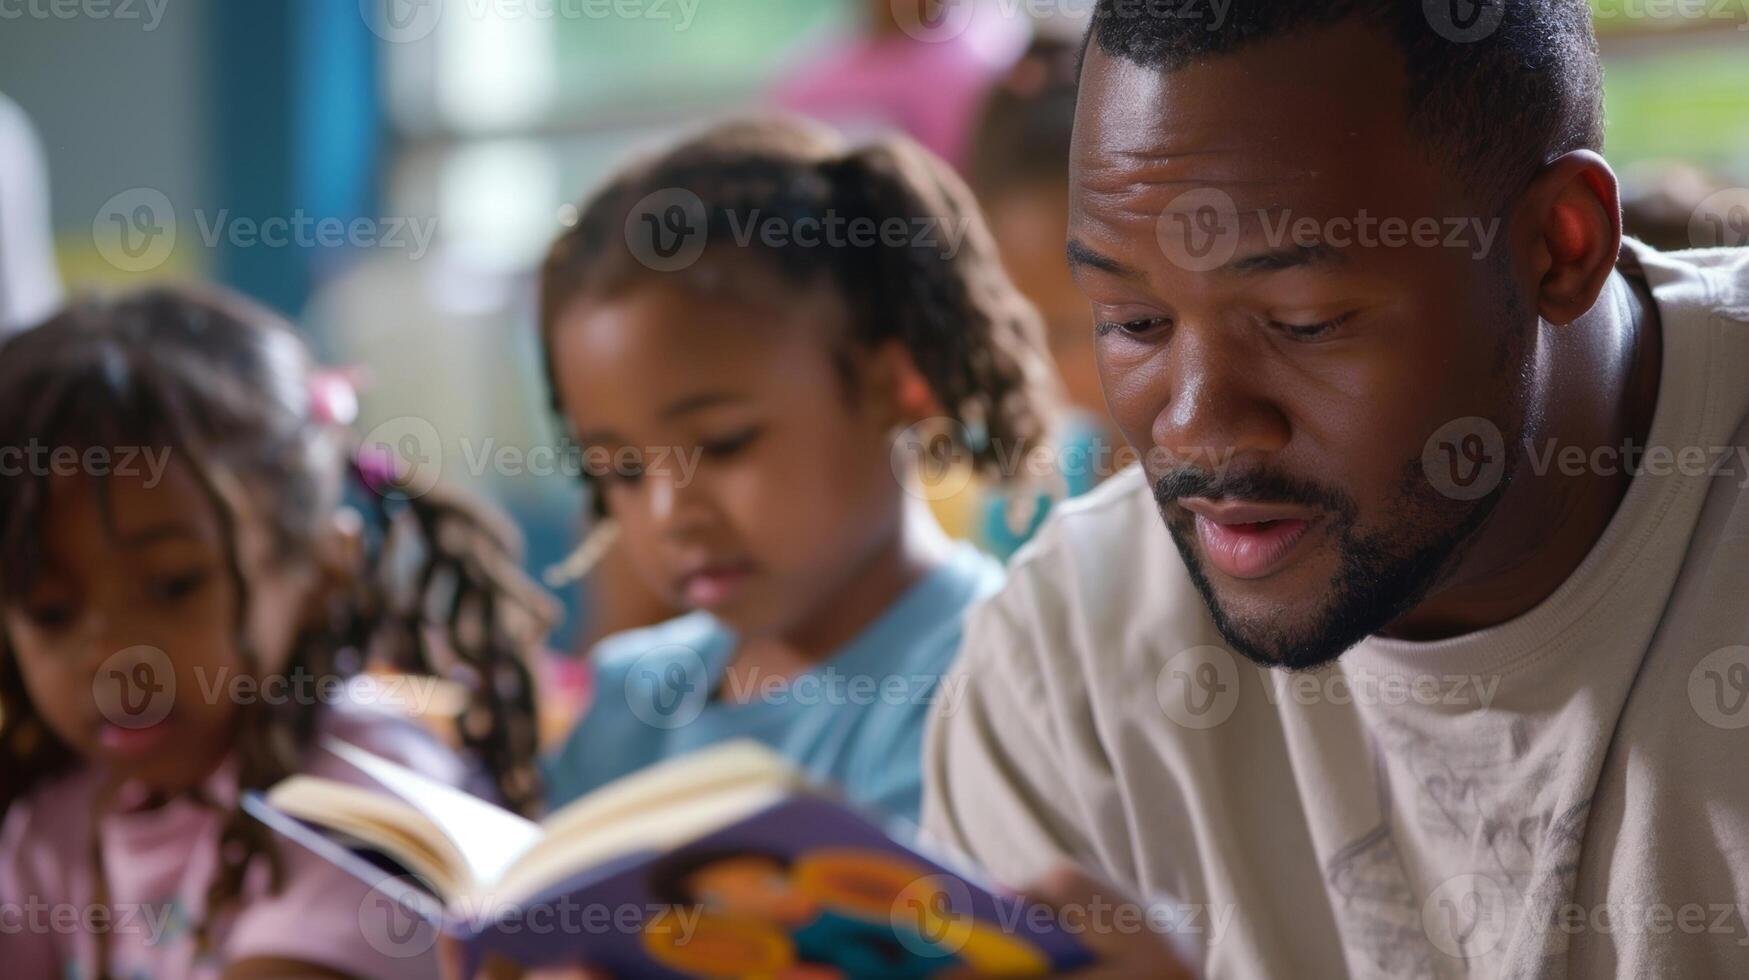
x=93 y=640
x=674 y=503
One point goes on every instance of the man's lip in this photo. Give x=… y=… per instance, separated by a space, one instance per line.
x=1242 y=512
x=1251 y=550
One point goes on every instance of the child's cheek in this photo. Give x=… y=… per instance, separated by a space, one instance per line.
x=59 y=691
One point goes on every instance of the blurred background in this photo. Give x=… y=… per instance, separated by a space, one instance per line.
x=388 y=172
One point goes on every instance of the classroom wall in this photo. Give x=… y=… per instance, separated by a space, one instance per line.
x=129 y=112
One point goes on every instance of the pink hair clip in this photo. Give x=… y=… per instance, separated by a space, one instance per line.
x=333 y=396
x=375 y=468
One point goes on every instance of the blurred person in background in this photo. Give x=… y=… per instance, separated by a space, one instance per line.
x=930 y=83
x=756 y=402
x=30 y=288
x=1019 y=168
x=1660 y=200
x=920 y=67
x=217 y=546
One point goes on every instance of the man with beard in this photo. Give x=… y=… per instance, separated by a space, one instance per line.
x=1438 y=666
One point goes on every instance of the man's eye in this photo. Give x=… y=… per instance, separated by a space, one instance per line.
x=1310 y=331
x=1134 y=328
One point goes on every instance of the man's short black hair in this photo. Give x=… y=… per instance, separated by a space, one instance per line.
x=1497 y=88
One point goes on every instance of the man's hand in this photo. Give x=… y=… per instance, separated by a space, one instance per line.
x=1122 y=944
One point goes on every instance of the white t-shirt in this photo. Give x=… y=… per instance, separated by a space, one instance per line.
x=1565 y=794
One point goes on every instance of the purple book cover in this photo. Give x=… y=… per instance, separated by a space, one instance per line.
x=803 y=889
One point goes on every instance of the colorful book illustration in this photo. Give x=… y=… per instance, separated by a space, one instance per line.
x=723 y=863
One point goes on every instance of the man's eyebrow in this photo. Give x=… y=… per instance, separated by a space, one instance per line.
x=1287 y=257
x=1081 y=256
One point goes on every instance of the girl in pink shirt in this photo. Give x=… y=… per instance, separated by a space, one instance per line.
x=187 y=606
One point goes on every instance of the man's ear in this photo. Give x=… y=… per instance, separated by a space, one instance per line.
x=1572 y=216
x=896 y=391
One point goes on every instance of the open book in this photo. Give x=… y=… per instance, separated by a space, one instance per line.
x=725 y=862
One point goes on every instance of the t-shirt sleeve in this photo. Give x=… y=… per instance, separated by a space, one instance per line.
x=993 y=764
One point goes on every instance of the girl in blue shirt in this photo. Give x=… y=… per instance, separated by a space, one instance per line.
x=765 y=343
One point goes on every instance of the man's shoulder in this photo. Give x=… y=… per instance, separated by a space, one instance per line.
x=1697 y=287
x=1104 y=519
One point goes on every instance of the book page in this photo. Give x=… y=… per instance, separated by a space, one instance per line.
x=678 y=780
x=489 y=838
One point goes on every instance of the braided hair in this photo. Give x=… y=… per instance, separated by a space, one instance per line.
x=924 y=271
x=226 y=386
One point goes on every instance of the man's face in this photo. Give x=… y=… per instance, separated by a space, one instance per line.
x=1278 y=348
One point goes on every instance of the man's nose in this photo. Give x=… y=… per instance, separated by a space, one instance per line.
x=1216 y=409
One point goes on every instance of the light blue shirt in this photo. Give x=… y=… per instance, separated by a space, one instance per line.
x=1081 y=452
x=855 y=721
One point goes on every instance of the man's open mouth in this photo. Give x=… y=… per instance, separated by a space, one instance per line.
x=1245 y=540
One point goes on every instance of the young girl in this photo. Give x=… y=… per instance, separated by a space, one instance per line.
x=748 y=336
x=183 y=593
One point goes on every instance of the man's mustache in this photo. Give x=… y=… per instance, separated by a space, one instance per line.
x=1254 y=485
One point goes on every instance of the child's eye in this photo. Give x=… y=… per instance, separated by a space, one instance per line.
x=731 y=444
x=1310 y=331
x=50 y=616
x=172 y=588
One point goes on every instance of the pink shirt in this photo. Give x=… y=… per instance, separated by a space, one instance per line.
x=931 y=90
x=161 y=861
